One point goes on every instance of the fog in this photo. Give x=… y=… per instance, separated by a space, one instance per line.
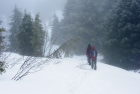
x=46 y=8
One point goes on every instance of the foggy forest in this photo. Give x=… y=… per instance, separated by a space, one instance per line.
x=34 y=27
x=69 y=46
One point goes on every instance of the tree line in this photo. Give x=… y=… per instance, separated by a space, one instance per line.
x=27 y=34
x=28 y=37
x=112 y=26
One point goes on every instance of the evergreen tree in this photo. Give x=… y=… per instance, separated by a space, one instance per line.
x=14 y=29
x=123 y=34
x=25 y=34
x=55 y=29
x=67 y=24
x=37 y=39
x=1 y=38
x=1 y=48
x=83 y=18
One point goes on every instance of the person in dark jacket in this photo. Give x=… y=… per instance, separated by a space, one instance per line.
x=88 y=53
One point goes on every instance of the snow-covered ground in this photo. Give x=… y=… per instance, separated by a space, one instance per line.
x=72 y=76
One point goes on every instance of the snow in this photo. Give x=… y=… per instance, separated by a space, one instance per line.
x=71 y=76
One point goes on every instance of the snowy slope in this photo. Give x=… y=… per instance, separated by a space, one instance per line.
x=72 y=76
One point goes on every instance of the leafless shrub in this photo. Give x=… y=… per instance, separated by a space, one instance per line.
x=32 y=64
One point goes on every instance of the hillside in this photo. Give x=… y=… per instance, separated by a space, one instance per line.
x=72 y=76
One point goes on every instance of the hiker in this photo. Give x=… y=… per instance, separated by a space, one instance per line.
x=93 y=57
x=88 y=53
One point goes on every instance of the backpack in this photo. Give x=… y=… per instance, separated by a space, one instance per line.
x=93 y=53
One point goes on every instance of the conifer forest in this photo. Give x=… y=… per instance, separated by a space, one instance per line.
x=112 y=26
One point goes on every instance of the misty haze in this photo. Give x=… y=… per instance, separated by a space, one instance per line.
x=46 y=8
x=69 y=46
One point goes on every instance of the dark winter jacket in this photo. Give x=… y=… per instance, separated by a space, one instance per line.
x=88 y=50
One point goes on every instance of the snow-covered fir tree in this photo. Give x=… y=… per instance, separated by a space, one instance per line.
x=55 y=29
x=37 y=39
x=84 y=19
x=25 y=34
x=2 y=69
x=123 y=34
x=16 y=20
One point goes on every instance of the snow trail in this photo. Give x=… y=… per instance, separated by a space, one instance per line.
x=73 y=76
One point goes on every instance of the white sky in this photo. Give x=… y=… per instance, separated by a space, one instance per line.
x=46 y=8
